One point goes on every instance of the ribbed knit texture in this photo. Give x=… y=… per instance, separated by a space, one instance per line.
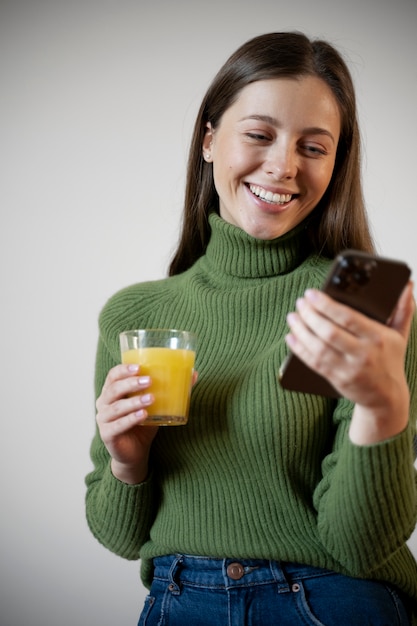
x=258 y=471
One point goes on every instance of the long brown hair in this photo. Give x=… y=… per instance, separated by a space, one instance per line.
x=340 y=220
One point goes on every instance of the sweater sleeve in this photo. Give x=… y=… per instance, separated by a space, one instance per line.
x=367 y=499
x=118 y=515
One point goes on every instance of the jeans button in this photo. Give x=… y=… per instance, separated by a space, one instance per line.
x=235 y=571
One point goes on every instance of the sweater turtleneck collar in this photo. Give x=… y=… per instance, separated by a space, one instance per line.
x=238 y=254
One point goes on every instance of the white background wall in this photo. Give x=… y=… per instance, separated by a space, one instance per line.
x=96 y=107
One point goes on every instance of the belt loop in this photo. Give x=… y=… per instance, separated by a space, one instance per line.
x=174 y=585
x=280 y=577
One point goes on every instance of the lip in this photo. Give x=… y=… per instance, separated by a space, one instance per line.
x=280 y=190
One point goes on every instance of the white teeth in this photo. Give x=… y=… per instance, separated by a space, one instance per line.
x=268 y=196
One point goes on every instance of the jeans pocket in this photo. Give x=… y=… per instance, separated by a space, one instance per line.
x=342 y=601
x=303 y=606
x=146 y=611
x=403 y=617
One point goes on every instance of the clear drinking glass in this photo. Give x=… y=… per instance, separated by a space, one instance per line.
x=168 y=357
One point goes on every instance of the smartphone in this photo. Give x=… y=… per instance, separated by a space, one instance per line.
x=368 y=283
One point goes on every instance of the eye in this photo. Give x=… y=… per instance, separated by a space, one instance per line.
x=257 y=136
x=314 y=150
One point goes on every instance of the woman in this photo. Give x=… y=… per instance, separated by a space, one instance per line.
x=270 y=506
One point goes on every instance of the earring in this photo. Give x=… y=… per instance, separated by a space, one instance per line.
x=207 y=156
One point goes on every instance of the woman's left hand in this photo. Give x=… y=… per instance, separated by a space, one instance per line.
x=363 y=359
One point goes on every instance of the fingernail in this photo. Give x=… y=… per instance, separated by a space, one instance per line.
x=290 y=340
x=311 y=294
x=146 y=398
x=143 y=380
x=133 y=367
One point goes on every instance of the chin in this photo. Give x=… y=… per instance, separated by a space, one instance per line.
x=266 y=232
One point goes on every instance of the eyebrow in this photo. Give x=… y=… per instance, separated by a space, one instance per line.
x=312 y=130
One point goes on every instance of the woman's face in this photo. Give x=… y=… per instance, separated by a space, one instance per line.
x=273 y=153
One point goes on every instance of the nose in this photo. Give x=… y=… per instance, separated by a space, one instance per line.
x=281 y=162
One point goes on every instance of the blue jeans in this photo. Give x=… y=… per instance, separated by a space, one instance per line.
x=199 y=591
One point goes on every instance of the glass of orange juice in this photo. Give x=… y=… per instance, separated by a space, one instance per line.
x=168 y=357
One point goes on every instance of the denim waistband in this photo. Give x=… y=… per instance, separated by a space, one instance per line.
x=231 y=572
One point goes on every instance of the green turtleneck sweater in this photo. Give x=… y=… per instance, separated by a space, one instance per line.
x=258 y=471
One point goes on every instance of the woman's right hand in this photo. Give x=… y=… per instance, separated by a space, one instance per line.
x=119 y=414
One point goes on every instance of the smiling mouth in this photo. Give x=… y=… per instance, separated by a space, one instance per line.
x=268 y=196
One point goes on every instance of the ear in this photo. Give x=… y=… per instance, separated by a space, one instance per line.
x=207 y=143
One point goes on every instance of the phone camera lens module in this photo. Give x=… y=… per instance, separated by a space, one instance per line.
x=361 y=277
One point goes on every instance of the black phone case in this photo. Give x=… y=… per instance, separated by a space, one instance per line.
x=370 y=284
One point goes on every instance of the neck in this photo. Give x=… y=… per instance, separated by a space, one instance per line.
x=236 y=253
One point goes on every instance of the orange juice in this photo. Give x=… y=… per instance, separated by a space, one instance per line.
x=171 y=378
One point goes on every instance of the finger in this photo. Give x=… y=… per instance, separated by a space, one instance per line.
x=343 y=315
x=318 y=355
x=403 y=313
x=339 y=367
x=120 y=388
x=324 y=328
x=112 y=429
x=120 y=372
x=124 y=406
